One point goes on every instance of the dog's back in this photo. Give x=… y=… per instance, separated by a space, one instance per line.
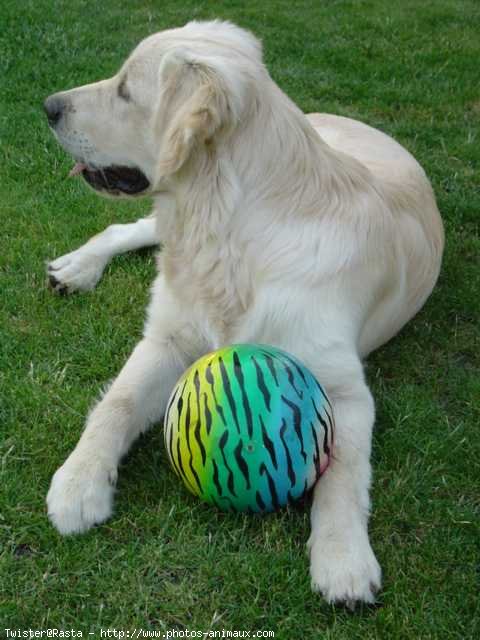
x=412 y=204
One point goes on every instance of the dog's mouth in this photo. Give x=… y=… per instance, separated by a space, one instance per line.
x=115 y=180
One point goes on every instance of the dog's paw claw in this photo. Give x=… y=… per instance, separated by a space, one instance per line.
x=57 y=286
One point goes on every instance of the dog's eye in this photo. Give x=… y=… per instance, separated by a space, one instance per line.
x=123 y=91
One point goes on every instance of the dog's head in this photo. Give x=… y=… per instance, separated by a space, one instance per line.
x=175 y=97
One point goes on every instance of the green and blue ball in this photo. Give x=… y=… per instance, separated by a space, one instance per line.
x=249 y=428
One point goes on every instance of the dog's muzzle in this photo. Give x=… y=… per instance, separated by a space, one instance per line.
x=114 y=180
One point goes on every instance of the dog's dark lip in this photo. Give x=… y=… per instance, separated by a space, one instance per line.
x=116 y=180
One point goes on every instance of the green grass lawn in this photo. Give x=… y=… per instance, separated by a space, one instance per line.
x=165 y=560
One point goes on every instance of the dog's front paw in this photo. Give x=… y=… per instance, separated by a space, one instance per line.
x=344 y=568
x=81 y=494
x=76 y=271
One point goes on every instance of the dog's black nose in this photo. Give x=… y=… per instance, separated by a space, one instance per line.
x=54 y=107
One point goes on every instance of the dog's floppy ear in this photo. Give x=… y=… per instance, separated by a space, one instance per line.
x=200 y=105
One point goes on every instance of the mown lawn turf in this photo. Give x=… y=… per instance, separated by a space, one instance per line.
x=164 y=560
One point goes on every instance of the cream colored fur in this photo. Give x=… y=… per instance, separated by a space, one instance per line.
x=316 y=233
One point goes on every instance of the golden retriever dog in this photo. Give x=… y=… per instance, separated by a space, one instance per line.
x=317 y=234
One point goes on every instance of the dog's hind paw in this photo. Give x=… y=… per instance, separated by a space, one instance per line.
x=79 y=270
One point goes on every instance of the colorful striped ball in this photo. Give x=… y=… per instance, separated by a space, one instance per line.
x=249 y=428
